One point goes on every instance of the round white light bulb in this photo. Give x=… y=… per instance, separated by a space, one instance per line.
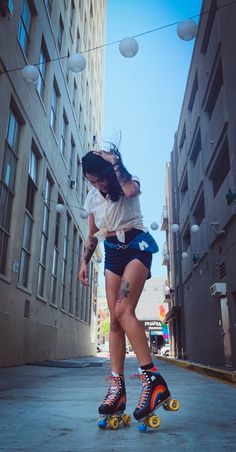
x=187 y=30
x=76 y=62
x=175 y=227
x=184 y=255
x=195 y=228
x=98 y=260
x=128 y=47
x=84 y=214
x=30 y=74
x=60 y=208
x=154 y=226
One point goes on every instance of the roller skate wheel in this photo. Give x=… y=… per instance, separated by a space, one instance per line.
x=166 y=407
x=154 y=421
x=113 y=423
x=142 y=427
x=102 y=423
x=174 y=405
x=126 y=419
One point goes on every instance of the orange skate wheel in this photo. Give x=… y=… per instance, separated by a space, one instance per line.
x=113 y=423
x=174 y=405
x=126 y=419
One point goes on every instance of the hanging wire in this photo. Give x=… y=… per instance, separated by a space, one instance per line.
x=118 y=41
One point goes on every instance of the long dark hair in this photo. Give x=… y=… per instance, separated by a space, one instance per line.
x=96 y=166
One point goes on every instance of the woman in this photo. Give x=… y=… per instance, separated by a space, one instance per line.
x=115 y=216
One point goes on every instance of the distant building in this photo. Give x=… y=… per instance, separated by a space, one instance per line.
x=201 y=263
x=150 y=308
x=45 y=130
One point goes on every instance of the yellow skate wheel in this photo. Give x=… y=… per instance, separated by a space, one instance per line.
x=126 y=419
x=113 y=423
x=154 y=421
x=174 y=405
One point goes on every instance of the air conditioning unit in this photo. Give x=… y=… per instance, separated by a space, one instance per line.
x=218 y=290
x=6 y=8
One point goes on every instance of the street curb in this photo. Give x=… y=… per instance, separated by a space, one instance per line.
x=224 y=375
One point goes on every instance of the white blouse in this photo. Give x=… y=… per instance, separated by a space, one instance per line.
x=114 y=216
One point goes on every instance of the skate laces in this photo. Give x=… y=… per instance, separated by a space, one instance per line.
x=145 y=391
x=112 y=391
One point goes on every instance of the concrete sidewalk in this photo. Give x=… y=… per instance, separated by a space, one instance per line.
x=46 y=408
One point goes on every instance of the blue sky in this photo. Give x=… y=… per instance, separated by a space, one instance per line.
x=144 y=94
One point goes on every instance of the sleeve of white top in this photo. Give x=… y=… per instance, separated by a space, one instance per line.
x=136 y=179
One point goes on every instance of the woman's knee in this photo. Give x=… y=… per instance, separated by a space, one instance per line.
x=115 y=325
x=122 y=313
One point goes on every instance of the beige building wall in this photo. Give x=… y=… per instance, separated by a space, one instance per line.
x=36 y=322
x=152 y=297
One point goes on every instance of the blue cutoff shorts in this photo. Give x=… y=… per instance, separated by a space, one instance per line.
x=117 y=259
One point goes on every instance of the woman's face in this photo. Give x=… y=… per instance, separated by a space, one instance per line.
x=100 y=184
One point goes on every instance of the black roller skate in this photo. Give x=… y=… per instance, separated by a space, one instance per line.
x=154 y=394
x=113 y=406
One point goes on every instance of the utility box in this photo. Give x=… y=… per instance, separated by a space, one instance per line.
x=218 y=290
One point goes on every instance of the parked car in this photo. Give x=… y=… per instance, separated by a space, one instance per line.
x=165 y=351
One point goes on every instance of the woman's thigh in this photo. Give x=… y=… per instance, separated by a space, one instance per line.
x=131 y=286
x=112 y=282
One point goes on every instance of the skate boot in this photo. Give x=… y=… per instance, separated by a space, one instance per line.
x=113 y=406
x=154 y=394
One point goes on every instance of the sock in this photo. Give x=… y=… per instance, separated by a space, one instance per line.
x=115 y=374
x=149 y=366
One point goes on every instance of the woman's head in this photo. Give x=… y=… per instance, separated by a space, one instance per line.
x=101 y=174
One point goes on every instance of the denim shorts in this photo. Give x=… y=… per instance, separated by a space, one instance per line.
x=117 y=259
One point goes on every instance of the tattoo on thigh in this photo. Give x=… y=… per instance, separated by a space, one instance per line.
x=123 y=290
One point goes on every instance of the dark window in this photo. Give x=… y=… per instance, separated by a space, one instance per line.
x=24 y=27
x=193 y=92
x=199 y=211
x=184 y=187
x=183 y=138
x=214 y=90
x=60 y=33
x=221 y=167
x=196 y=148
x=209 y=25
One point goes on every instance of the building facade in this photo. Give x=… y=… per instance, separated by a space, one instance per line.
x=45 y=129
x=200 y=256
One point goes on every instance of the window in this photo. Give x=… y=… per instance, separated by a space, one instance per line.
x=64 y=261
x=221 y=167
x=85 y=30
x=80 y=117
x=44 y=238
x=72 y=12
x=196 y=148
x=63 y=133
x=214 y=90
x=72 y=156
x=182 y=139
x=78 y=176
x=24 y=27
x=199 y=211
x=53 y=116
x=29 y=219
x=43 y=58
x=7 y=185
x=55 y=257
x=48 y=4
x=184 y=187
x=72 y=271
x=78 y=285
x=209 y=25
x=186 y=239
x=75 y=94
x=78 y=41
x=60 y=33
x=193 y=92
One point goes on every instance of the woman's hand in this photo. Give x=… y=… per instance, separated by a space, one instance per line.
x=109 y=156
x=83 y=274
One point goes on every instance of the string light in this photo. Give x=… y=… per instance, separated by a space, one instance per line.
x=119 y=41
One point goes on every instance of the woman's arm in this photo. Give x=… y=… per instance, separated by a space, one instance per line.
x=129 y=186
x=88 y=252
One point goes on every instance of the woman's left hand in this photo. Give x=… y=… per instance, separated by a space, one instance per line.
x=109 y=156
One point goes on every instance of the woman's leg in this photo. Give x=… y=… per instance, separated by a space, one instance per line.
x=131 y=286
x=117 y=335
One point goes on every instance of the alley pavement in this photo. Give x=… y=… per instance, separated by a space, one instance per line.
x=53 y=408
